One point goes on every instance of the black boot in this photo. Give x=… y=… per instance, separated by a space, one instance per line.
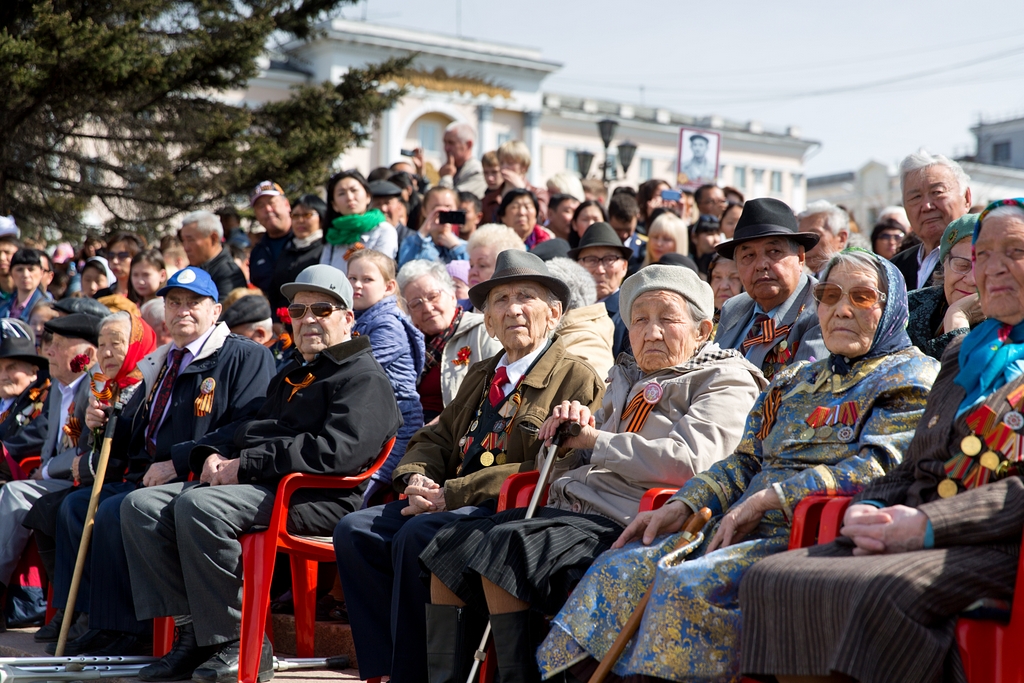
x=453 y=634
x=516 y=637
x=182 y=660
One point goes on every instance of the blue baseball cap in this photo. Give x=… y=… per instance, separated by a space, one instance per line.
x=194 y=280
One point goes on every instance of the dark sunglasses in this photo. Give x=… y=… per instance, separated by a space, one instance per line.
x=861 y=297
x=321 y=309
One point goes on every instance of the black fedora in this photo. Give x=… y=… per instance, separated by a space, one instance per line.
x=515 y=266
x=600 y=235
x=766 y=218
x=17 y=341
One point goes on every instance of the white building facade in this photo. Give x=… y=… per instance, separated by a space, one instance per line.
x=499 y=90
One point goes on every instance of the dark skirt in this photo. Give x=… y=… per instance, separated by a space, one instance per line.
x=537 y=560
x=877 y=618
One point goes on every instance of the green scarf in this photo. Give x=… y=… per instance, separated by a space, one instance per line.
x=348 y=229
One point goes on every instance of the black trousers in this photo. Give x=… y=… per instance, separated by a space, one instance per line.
x=378 y=559
x=105 y=592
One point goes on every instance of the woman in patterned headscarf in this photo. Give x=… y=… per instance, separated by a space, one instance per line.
x=825 y=427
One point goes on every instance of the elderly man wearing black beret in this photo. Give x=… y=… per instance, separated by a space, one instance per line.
x=774 y=322
x=455 y=466
x=71 y=354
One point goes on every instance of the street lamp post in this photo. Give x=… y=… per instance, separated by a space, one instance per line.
x=626 y=151
x=607 y=128
x=584 y=159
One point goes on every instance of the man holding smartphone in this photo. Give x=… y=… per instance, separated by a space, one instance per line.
x=438 y=237
x=461 y=172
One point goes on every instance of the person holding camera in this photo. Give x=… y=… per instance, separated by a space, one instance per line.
x=438 y=237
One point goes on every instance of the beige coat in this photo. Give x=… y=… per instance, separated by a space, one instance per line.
x=698 y=421
x=589 y=333
x=470 y=334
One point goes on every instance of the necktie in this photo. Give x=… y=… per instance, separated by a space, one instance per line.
x=764 y=331
x=496 y=395
x=163 y=397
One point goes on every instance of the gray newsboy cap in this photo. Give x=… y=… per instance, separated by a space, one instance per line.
x=682 y=281
x=321 y=278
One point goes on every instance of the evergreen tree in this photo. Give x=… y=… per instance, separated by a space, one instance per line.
x=124 y=102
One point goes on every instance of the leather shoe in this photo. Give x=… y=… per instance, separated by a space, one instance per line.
x=223 y=666
x=182 y=660
x=89 y=642
x=50 y=632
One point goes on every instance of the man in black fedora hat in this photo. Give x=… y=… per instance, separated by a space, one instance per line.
x=604 y=256
x=24 y=386
x=774 y=322
x=455 y=466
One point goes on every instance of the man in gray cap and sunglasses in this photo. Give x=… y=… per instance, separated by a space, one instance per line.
x=328 y=411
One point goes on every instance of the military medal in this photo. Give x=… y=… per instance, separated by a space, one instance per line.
x=204 y=402
x=824 y=422
x=487 y=458
x=1014 y=420
x=807 y=434
x=824 y=432
x=501 y=459
x=948 y=488
x=653 y=392
x=970 y=445
x=846 y=434
x=989 y=460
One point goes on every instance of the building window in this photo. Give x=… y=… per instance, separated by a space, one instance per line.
x=646 y=169
x=430 y=136
x=503 y=138
x=739 y=177
x=776 y=181
x=1001 y=152
x=572 y=162
x=613 y=166
x=758 y=175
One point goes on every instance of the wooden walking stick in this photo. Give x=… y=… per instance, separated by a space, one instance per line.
x=565 y=430
x=690 y=531
x=90 y=514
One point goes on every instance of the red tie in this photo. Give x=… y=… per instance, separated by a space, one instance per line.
x=496 y=395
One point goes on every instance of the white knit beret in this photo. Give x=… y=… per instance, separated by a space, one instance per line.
x=682 y=281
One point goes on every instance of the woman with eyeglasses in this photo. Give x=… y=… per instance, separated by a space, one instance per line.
x=351 y=223
x=941 y=313
x=303 y=248
x=830 y=426
x=455 y=339
x=121 y=249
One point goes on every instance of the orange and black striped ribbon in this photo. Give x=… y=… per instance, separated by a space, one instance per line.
x=298 y=386
x=637 y=412
x=771 y=411
x=765 y=333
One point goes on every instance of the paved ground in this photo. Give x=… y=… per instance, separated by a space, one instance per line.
x=19 y=643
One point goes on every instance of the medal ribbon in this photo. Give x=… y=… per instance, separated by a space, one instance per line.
x=637 y=412
x=765 y=333
x=298 y=386
x=204 y=402
x=845 y=413
x=771 y=411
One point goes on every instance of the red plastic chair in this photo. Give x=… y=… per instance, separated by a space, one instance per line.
x=259 y=553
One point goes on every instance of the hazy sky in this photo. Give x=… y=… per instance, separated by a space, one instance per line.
x=869 y=80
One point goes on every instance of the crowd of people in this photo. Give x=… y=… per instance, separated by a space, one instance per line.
x=741 y=353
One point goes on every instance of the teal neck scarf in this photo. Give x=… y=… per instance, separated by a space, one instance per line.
x=348 y=229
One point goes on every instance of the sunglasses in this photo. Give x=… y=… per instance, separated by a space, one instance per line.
x=861 y=297
x=321 y=309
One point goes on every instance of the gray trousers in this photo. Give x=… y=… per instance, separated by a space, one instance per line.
x=184 y=556
x=16 y=499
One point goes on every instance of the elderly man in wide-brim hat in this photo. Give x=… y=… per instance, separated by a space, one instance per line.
x=456 y=466
x=774 y=322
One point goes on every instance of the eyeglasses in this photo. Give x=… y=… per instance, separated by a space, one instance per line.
x=606 y=261
x=304 y=215
x=890 y=237
x=120 y=256
x=960 y=265
x=431 y=298
x=320 y=309
x=861 y=297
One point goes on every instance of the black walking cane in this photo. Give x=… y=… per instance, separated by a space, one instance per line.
x=83 y=546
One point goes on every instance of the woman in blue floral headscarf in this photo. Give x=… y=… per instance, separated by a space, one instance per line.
x=824 y=427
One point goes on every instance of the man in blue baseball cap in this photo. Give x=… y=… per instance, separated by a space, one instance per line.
x=198 y=389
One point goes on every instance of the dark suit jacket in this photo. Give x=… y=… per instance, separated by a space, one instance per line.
x=992 y=514
x=620 y=342
x=225 y=273
x=906 y=261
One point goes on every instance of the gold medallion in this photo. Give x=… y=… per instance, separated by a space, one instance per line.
x=487 y=458
x=501 y=459
x=970 y=445
x=989 y=460
x=807 y=434
x=783 y=345
x=947 y=488
x=824 y=432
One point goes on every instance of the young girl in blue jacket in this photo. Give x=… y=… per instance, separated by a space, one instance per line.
x=396 y=344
